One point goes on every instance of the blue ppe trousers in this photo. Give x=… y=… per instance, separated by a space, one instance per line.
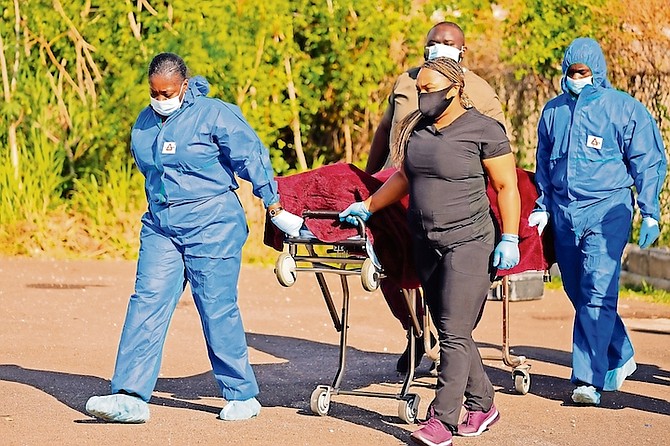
x=162 y=273
x=589 y=258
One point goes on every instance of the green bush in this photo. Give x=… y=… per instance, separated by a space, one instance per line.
x=311 y=77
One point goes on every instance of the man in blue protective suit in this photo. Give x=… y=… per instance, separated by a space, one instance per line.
x=189 y=148
x=594 y=144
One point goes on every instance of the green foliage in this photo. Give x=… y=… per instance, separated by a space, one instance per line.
x=108 y=203
x=29 y=193
x=34 y=191
x=539 y=31
x=307 y=73
x=643 y=292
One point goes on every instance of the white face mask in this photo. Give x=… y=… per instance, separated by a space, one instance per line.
x=168 y=106
x=440 y=50
x=577 y=85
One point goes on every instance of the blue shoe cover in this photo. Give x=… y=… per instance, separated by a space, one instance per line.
x=614 y=378
x=586 y=395
x=119 y=407
x=240 y=410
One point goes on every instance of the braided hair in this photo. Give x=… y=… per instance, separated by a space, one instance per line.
x=450 y=69
x=168 y=64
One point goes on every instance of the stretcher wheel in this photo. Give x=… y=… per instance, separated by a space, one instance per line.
x=285 y=269
x=369 y=276
x=408 y=409
x=521 y=381
x=320 y=400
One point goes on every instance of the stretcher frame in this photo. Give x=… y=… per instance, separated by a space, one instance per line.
x=349 y=258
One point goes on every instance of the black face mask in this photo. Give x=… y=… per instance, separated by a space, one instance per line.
x=433 y=104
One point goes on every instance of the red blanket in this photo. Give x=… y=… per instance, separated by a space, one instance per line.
x=333 y=188
x=336 y=186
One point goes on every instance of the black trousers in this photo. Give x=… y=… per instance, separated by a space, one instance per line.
x=455 y=293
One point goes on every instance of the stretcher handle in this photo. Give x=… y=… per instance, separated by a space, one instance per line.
x=320 y=214
x=335 y=215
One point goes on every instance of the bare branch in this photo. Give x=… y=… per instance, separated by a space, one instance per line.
x=3 y=69
x=58 y=92
x=242 y=91
x=134 y=26
x=78 y=39
x=147 y=6
x=295 y=122
x=17 y=45
x=61 y=68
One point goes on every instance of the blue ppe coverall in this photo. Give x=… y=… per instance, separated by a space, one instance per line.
x=592 y=149
x=193 y=231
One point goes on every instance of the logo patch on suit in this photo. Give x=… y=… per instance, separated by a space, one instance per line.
x=169 y=147
x=594 y=142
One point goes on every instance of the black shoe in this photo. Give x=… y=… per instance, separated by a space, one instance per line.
x=403 y=361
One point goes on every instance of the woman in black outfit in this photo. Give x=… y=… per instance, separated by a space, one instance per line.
x=446 y=153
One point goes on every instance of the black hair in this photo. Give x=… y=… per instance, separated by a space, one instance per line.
x=448 y=68
x=450 y=25
x=167 y=64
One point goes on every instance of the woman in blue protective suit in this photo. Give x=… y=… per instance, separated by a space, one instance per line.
x=189 y=148
x=594 y=144
x=447 y=152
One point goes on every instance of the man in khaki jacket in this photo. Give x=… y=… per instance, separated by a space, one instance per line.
x=446 y=39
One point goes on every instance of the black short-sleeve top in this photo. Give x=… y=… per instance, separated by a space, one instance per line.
x=447 y=182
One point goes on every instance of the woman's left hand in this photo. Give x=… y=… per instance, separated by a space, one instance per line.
x=506 y=255
x=357 y=209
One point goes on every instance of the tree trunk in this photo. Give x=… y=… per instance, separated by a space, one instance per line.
x=348 y=148
x=8 y=88
x=295 y=122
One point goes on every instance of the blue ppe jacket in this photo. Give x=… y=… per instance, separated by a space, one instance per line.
x=596 y=144
x=197 y=151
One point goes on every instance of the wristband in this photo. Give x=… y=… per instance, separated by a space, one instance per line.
x=274 y=211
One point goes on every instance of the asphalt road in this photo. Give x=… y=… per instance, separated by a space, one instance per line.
x=60 y=323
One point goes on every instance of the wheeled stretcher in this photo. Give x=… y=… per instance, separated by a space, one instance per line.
x=352 y=257
x=346 y=258
x=336 y=251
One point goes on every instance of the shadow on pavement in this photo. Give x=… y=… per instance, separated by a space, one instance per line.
x=306 y=364
x=285 y=384
x=559 y=389
x=68 y=388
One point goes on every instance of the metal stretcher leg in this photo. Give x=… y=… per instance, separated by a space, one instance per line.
x=520 y=368
x=343 y=334
x=321 y=396
x=321 y=279
x=413 y=332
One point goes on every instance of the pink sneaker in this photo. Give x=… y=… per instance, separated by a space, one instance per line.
x=477 y=422
x=429 y=416
x=432 y=433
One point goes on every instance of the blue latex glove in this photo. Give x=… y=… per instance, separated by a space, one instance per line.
x=358 y=209
x=539 y=219
x=506 y=255
x=649 y=232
